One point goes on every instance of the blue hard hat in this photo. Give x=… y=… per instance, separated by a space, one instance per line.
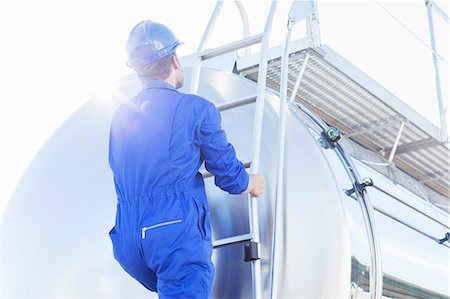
x=148 y=42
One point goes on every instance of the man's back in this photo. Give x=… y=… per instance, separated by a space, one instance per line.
x=161 y=137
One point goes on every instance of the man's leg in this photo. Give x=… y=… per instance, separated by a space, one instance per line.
x=180 y=252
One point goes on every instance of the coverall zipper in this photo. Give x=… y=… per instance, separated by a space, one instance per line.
x=144 y=229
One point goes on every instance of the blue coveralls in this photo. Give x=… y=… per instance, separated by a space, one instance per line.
x=162 y=234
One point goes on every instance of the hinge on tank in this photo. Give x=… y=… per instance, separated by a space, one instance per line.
x=329 y=138
x=445 y=239
x=251 y=251
x=366 y=182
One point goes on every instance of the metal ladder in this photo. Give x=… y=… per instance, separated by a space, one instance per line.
x=202 y=55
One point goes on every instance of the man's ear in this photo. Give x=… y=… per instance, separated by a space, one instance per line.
x=175 y=63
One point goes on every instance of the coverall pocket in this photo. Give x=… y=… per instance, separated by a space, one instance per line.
x=117 y=250
x=203 y=219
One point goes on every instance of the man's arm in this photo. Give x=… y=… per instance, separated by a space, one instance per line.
x=220 y=158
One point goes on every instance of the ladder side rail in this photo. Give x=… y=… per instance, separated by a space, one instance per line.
x=195 y=77
x=298 y=12
x=277 y=235
x=256 y=150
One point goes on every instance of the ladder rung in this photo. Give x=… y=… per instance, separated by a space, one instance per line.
x=236 y=103
x=207 y=174
x=232 y=240
x=249 y=41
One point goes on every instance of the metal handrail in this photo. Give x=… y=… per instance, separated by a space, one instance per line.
x=201 y=47
x=279 y=199
x=256 y=150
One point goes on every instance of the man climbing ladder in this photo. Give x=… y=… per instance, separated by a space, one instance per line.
x=158 y=141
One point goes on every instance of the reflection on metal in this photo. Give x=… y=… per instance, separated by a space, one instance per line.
x=360 y=275
x=234 y=274
x=392 y=286
x=400 y=289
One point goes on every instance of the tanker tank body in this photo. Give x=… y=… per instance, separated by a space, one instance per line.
x=55 y=227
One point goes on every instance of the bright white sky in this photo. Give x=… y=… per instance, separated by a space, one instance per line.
x=55 y=54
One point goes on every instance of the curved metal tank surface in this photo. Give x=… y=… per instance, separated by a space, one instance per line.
x=55 y=228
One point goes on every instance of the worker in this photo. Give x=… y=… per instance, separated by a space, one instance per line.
x=158 y=141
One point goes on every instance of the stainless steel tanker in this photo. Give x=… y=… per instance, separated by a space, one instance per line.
x=54 y=231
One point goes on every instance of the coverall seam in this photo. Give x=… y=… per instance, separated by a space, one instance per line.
x=199 y=129
x=200 y=204
x=169 y=158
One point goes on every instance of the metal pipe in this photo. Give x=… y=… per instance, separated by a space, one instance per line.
x=442 y=110
x=243 y=43
x=245 y=26
x=277 y=230
x=397 y=140
x=376 y=270
x=201 y=47
x=256 y=150
x=236 y=103
x=299 y=78
x=367 y=209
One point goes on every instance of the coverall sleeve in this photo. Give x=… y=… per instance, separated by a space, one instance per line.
x=219 y=155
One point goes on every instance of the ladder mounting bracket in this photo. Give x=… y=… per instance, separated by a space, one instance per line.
x=251 y=251
x=360 y=187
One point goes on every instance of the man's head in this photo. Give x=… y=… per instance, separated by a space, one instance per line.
x=151 y=50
